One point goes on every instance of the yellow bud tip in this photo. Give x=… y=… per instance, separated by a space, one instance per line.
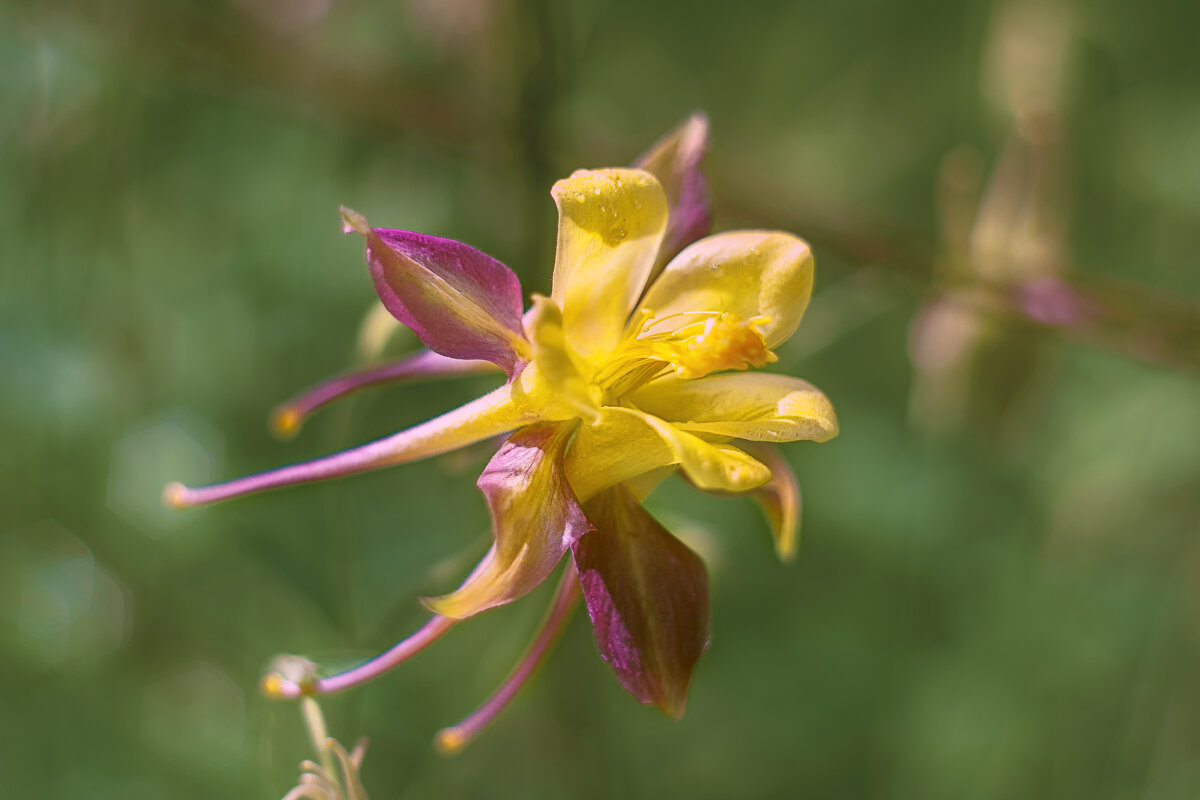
x=272 y=685
x=175 y=496
x=354 y=222
x=286 y=422
x=450 y=741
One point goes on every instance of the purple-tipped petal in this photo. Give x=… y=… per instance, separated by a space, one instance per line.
x=287 y=419
x=459 y=301
x=647 y=595
x=535 y=518
x=675 y=161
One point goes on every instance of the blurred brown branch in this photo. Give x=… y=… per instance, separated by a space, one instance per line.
x=1115 y=315
x=224 y=53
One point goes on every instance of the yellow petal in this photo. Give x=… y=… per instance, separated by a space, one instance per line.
x=751 y=405
x=643 y=485
x=745 y=273
x=551 y=386
x=610 y=226
x=626 y=443
x=721 y=467
x=615 y=448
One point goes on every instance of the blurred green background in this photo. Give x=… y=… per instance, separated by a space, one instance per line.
x=998 y=593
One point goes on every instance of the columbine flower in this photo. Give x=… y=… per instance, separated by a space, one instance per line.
x=631 y=369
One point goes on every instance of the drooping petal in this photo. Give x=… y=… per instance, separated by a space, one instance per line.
x=647 y=595
x=753 y=405
x=748 y=274
x=535 y=518
x=461 y=302
x=720 y=467
x=287 y=419
x=779 y=499
x=610 y=226
x=625 y=443
x=487 y=416
x=675 y=161
x=453 y=739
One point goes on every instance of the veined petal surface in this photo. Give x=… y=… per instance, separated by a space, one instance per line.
x=535 y=518
x=647 y=596
x=610 y=226
x=675 y=161
x=745 y=273
x=745 y=405
x=459 y=301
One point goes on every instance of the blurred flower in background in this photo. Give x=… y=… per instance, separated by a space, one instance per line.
x=1003 y=241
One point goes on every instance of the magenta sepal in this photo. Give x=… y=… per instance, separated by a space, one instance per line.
x=647 y=596
x=459 y=301
x=676 y=160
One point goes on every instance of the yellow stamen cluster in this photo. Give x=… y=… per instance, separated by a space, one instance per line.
x=286 y=422
x=724 y=342
x=716 y=341
x=450 y=741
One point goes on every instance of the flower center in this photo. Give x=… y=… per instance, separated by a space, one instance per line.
x=706 y=342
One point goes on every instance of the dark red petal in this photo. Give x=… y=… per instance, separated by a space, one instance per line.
x=675 y=161
x=647 y=595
